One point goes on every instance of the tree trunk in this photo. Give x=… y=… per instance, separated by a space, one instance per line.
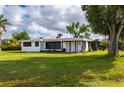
x=113 y=41
x=113 y=45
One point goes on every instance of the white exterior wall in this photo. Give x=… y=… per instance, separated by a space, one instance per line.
x=33 y=48
x=64 y=45
x=42 y=47
x=86 y=46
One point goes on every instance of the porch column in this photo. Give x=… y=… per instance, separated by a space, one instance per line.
x=62 y=46
x=83 y=45
x=70 y=46
x=75 y=46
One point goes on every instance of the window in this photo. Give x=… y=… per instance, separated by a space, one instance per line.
x=53 y=45
x=36 y=44
x=26 y=44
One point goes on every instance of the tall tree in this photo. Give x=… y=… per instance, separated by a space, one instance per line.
x=107 y=20
x=21 y=35
x=59 y=35
x=77 y=30
x=3 y=23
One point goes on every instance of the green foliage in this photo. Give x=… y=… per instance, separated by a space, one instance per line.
x=60 y=69
x=89 y=47
x=78 y=30
x=121 y=45
x=121 y=42
x=20 y=35
x=107 y=20
x=103 y=43
x=101 y=18
x=15 y=42
x=11 y=44
x=122 y=36
x=59 y=35
x=3 y=23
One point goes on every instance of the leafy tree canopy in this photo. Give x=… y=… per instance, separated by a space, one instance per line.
x=20 y=35
x=78 y=30
x=59 y=35
x=101 y=18
x=107 y=20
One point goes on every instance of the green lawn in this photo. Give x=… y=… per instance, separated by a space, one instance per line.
x=59 y=69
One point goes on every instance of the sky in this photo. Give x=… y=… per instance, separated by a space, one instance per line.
x=42 y=21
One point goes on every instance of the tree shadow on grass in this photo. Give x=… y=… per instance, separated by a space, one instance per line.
x=53 y=71
x=44 y=52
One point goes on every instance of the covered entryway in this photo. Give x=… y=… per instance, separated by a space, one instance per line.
x=53 y=46
x=75 y=46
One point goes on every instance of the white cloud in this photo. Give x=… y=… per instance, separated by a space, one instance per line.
x=42 y=21
x=13 y=28
x=14 y=14
x=34 y=27
x=1 y=9
x=34 y=11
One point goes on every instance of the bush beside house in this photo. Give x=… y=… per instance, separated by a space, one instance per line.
x=11 y=44
x=15 y=42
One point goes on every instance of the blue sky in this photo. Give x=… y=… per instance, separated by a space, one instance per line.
x=41 y=21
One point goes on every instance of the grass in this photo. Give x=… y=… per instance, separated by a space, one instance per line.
x=60 y=69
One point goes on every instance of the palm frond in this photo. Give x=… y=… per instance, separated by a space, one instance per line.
x=3 y=23
x=1 y=17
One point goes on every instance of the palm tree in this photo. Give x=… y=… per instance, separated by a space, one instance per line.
x=77 y=30
x=3 y=23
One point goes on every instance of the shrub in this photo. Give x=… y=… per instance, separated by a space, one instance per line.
x=90 y=48
x=11 y=45
x=103 y=43
x=121 y=45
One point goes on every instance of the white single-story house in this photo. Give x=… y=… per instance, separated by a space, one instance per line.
x=62 y=44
